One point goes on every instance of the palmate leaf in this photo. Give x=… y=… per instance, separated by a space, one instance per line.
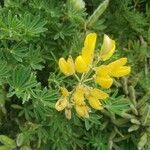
x=34 y=58
x=10 y=26
x=32 y=25
x=21 y=83
x=98 y=142
x=43 y=101
x=13 y=52
x=116 y=105
x=18 y=52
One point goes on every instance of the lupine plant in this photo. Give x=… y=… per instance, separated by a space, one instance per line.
x=74 y=75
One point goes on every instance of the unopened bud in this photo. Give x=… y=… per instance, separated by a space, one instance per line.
x=78 y=4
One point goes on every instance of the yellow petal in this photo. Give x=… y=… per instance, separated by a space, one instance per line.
x=102 y=70
x=64 y=91
x=61 y=104
x=88 y=49
x=118 y=63
x=66 y=67
x=71 y=67
x=98 y=94
x=80 y=65
x=108 y=48
x=104 y=82
x=82 y=110
x=95 y=103
x=120 y=72
x=63 y=66
x=78 y=96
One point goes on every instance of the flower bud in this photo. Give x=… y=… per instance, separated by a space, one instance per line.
x=78 y=4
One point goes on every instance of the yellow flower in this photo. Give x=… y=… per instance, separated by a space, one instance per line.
x=83 y=62
x=102 y=76
x=82 y=110
x=105 y=82
x=78 y=95
x=80 y=65
x=95 y=95
x=118 y=63
x=61 y=104
x=88 y=49
x=64 y=92
x=95 y=103
x=102 y=70
x=117 y=68
x=121 y=71
x=99 y=94
x=67 y=67
x=108 y=48
x=114 y=69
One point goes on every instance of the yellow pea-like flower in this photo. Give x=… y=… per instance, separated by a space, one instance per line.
x=61 y=104
x=64 y=92
x=104 y=82
x=121 y=71
x=117 y=68
x=98 y=94
x=78 y=95
x=102 y=70
x=66 y=67
x=88 y=49
x=108 y=48
x=114 y=69
x=95 y=95
x=95 y=103
x=82 y=110
x=63 y=66
x=80 y=65
x=118 y=63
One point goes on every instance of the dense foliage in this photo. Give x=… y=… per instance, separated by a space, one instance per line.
x=34 y=34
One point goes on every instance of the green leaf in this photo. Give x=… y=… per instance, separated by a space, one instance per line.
x=4 y=148
x=21 y=83
x=7 y=141
x=10 y=26
x=34 y=58
x=20 y=139
x=143 y=141
x=33 y=26
x=97 y=13
x=117 y=105
x=4 y=71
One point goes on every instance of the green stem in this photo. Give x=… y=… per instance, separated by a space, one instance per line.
x=88 y=80
x=77 y=78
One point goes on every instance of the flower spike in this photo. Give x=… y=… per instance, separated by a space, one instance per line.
x=82 y=96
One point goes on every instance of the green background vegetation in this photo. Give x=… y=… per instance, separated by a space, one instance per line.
x=34 y=34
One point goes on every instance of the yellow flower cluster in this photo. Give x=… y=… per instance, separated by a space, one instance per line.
x=83 y=96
